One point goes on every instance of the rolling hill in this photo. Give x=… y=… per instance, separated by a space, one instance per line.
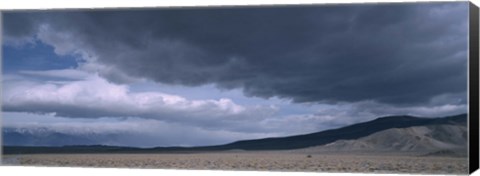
x=450 y=139
x=351 y=132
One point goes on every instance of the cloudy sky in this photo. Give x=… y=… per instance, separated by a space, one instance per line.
x=204 y=76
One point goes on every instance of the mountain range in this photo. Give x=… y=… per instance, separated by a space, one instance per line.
x=392 y=133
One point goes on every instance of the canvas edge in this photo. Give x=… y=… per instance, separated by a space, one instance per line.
x=473 y=69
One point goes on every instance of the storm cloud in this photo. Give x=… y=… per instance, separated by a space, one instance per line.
x=398 y=54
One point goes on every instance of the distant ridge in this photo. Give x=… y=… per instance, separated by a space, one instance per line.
x=350 y=132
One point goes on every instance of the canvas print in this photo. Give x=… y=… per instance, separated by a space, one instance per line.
x=366 y=88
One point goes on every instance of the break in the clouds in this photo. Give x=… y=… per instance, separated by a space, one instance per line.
x=239 y=71
x=94 y=97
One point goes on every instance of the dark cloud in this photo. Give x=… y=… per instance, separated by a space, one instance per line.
x=400 y=54
x=19 y=25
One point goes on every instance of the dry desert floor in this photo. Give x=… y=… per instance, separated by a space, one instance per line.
x=262 y=161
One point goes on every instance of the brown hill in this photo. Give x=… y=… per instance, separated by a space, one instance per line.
x=430 y=140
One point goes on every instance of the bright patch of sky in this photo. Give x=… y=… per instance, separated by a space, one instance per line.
x=285 y=106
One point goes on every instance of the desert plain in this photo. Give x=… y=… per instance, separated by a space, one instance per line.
x=256 y=160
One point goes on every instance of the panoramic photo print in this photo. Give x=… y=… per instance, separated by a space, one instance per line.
x=366 y=88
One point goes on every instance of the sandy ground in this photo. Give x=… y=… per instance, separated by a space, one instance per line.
x=269 y=161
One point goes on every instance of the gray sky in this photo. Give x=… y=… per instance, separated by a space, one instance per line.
x=206 y=76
